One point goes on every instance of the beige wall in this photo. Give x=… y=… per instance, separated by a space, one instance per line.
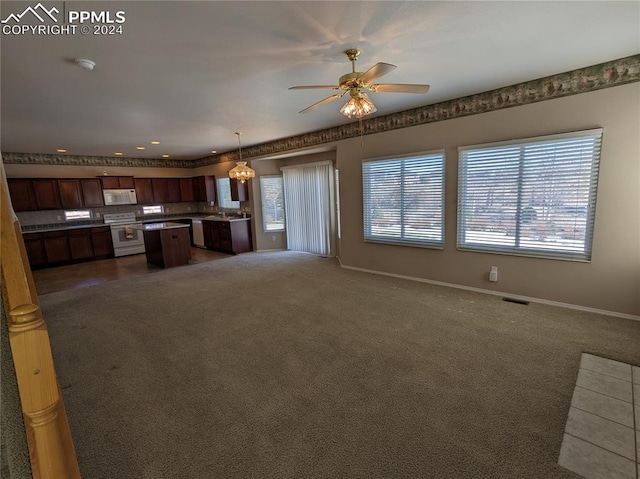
x=610 y=282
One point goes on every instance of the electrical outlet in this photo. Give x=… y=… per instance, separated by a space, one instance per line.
x=59 y=218
x=493 y=274
x=273 y=237
x=188 y=208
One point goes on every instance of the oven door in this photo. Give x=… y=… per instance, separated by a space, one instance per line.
x=127 y=239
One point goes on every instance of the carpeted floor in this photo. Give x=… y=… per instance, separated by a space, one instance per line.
x=284 y=365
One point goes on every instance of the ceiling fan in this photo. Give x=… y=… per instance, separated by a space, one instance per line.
x=357 y=84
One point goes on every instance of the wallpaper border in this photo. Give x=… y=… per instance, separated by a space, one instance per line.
x=592 y=78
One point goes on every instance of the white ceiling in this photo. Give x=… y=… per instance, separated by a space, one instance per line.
x=190 y=74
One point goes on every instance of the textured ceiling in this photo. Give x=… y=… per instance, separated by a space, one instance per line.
x=190 y=74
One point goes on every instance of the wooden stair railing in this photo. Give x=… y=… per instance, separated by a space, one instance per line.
x=51 y=447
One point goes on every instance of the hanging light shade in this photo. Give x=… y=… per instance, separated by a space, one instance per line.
x=241 y=171
x=359 y=105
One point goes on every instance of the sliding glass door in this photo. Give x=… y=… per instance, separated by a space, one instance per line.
x=308 y=193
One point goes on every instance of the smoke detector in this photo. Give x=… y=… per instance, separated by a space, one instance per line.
x=86 y=64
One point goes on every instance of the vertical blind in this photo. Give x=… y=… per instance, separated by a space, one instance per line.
x=307 y=199
x=530 y=197
x=404 y=200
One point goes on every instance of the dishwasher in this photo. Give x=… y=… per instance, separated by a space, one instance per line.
x=198 y=236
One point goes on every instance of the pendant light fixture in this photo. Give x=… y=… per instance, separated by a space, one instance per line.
x=241 y=171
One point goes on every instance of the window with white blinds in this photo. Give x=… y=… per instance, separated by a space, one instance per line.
x=404 y=200
x=533 y=197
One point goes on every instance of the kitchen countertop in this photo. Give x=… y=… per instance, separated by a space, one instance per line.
x=165 y=225
x=43 y=228
x=220 y=218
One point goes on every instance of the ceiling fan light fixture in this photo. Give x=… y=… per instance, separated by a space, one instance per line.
x=359 y=105
x=241 y=171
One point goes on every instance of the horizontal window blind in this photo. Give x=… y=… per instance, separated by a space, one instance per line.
x=530 y=197
x=404 y=200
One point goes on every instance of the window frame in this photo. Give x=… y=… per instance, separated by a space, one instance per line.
x=518 y=249
x=369 y=237
x=262 y=202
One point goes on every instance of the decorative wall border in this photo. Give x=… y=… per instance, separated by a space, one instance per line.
x=592 y=78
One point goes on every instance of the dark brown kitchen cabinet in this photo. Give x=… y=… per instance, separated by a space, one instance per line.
x=91 y=192
x=46 y=193
x=211 y=234
x=22 y=194
x=56 y=246
x=173 y=190
x=228 y=236
x=239 y=191
x=80 y=245
x=34 y=245
x=117 y=182
x=70 y=193
x=144 y=191
x=186 y=190
x=102 y=242
x=160 y=191
x=204 y=188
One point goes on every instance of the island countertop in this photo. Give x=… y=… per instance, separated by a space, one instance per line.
x=164 y=225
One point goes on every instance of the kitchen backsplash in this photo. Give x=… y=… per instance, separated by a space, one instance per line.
x=52 y=218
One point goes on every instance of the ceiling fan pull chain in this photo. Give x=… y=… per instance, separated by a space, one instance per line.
x=361 y=133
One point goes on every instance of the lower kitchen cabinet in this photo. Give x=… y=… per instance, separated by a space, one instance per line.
x=80 y=244
x=34 y=245
x=228 y=236
x=56 y=245
x=102 y=242
x=54 y=248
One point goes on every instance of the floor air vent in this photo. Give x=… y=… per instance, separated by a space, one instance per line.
x=517 y=301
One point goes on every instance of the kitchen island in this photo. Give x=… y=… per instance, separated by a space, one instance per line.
x=167 y=244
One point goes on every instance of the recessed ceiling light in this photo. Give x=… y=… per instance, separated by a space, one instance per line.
x=165 y=156
x=155 y=142
x=214 y=151
x=140 y=148
x=61 y=150
x=118 y=153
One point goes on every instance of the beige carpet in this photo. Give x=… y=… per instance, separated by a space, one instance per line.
x=283 y=365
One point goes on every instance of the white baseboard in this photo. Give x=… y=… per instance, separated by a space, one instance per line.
x=499 y=293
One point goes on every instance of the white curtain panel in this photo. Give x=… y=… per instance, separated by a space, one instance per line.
x=308 y=207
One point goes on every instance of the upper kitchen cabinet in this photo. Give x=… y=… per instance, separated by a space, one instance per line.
x=204 y=188
x=46 y=193
x=91 y=192
x=186 y=189
x=70 y=193
x=173 y=190
x=160 y=191
x=239 y=191
x=117 y=182
x=22 y=195
x=144 y=191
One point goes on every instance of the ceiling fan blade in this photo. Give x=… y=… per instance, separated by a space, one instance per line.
x=376 y=71
x=322 y=102
x=313 y=87
x=399 y=88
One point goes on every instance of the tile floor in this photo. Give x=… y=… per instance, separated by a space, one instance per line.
x=602 y=436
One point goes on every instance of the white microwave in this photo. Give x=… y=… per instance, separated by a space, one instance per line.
x=119 y=197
